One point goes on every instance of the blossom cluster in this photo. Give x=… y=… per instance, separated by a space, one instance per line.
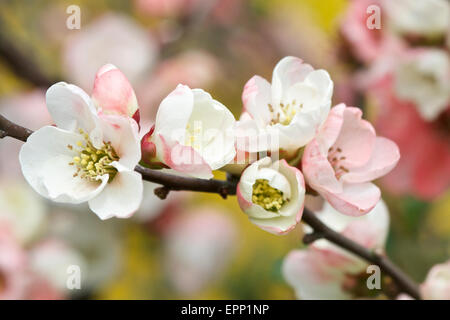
x=403 y=70
x=288 y=139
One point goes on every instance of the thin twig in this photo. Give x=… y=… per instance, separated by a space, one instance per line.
x=228 y=187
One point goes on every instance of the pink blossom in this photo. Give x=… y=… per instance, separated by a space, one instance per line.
x=111 y=38
x=345 y=157
x=424 y=169
x=324 y=270
x=366 y=44
x=13 y=283
x=198 y=247
x=437 y=283
x=29 y=110
x=113 y=94
x=194 y=68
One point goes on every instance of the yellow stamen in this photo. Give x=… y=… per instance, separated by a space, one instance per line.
x=269 y=198
x=93 y=162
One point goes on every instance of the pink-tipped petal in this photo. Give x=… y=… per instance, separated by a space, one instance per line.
x=316 y=274
x=356 y=139
x=384 y=158
x=112 y=93
x=318 y=172
x=331 y=127
x=355 y=199
x=256 y=97
x=287 y=72
x=185 y=159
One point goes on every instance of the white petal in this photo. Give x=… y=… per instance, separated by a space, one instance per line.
x=287 y=72
x=123 y=134
x=70 y=107
x=315 y=274
x=121 y=197
x=45 y=161
x=216 y=123
x=174 y=111
x=375 y=223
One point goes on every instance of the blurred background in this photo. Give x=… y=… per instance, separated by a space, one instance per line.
x=200 y=246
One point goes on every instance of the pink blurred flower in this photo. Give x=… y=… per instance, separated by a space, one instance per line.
x=437 y=283
x=198 y=248
x=367 y=44
x=424 y=168
x=13 y=280
x=429 y=18
x=197 y=69
x=223 y=11
x=164 y=8
x=324 y=270
x=343 y=159
x=29 y=110
x=422 y=76
x=112 y=38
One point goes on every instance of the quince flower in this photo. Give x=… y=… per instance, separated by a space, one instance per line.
x=272 y=194
x=193 y=134
x=287 y=112
x=113 y=94
x=437 y=283
x=422 y=77
x=326 y=271
x=420 y=18
x=344 y=157
x=87 y=156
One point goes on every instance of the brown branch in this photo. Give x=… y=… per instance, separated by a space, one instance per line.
x=10 y=129
x=228 y=187
x=404 y=283
x=177 y=183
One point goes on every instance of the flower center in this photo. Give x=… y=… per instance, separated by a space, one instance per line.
x=284 y=113
x=92 y=162
x=193 y=135
x=335 y=157
x=266 y=196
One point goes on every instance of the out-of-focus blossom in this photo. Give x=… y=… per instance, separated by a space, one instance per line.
x=166 y=8
x=289 y=111
x=112 y=38
x=223 y=11
x=13 y=279
x=422 y=76
x=325 y=271
x=272 y=195
x=345 y=157
x=198 y=248
x=22 y=209
x=424 y=168
x=81 y=236
x=113 y=94
x=52 y=260
x=192 y=134
x=367 y=44
x=88 y=157
x=195 y=68
x=152 y=206
x=27 y=109
x=421 y=18
x=437 y=283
